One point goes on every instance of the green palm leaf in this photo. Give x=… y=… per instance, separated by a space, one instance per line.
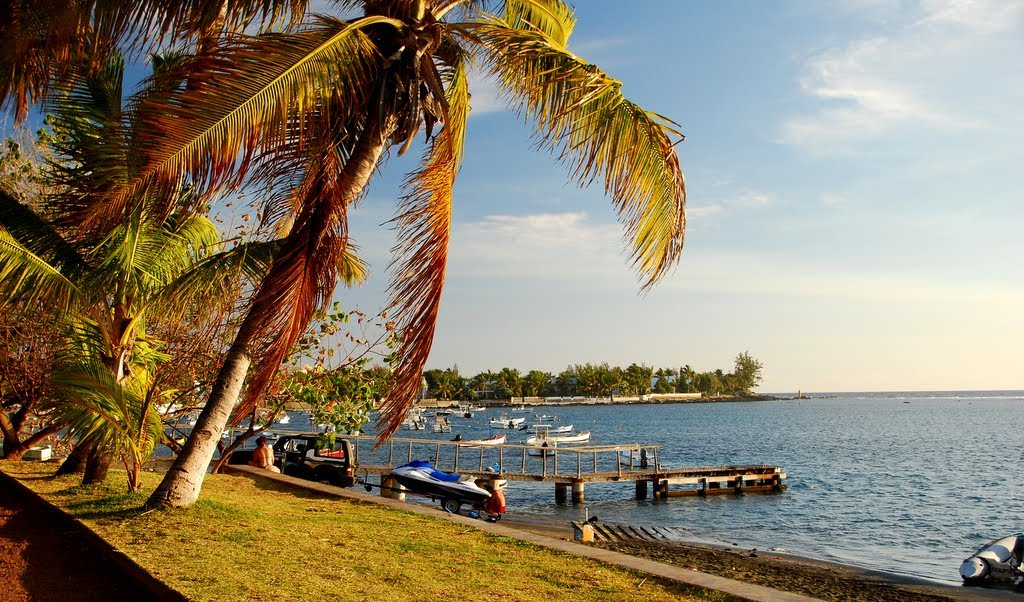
x=583 y=118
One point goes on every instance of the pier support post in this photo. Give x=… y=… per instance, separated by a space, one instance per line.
x=641 y=489
x=738 y=488
x=389 y=487
x=661 y=489
x=559 y=493
x=577 y=492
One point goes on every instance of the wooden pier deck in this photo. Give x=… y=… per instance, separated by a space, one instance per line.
x=568 y=467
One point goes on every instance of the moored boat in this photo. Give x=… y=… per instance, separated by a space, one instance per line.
x=504 y=422
x=495 y=440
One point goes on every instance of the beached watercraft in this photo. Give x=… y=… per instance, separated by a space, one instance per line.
x=452 y=489
x=999 y=563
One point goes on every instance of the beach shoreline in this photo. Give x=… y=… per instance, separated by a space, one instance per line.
x=821 y=579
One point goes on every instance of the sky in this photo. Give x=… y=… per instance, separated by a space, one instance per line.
x=854 y=174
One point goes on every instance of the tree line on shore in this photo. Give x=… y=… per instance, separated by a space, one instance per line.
x=592 y=380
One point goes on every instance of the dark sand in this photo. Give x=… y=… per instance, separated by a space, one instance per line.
x=819 y=579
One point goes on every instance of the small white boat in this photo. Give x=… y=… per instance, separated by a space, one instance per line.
x=634 y=458
x=496 y=440
x=555 y=430
x=504 y=422
x=520 y=409
x=477 y=408
x=540 y=440
x=997 y=563
x=284 y=418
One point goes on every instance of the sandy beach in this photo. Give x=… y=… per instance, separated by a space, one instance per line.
x=815 y=578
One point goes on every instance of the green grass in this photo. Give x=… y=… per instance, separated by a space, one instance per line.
x=248 y=539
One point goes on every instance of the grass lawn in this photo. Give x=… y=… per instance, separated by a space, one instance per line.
x=247 y=539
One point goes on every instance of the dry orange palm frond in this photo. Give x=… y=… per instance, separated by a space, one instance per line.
x=418 y=271
x=45 y=39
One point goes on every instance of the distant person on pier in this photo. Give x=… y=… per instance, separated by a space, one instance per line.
x=263 y=455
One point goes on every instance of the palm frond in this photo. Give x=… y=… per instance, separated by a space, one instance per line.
x=553 y=18
x=582 y=117
x=36 y=234
x=418 y=271
x=244 y=97
x=304 y=273
x=45 y=40
x=27 y=278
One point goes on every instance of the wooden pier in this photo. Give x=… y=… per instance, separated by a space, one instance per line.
x=569 y=468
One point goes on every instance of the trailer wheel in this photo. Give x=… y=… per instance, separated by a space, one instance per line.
x=451 y=505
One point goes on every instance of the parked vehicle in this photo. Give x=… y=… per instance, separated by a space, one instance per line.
x=298 y=456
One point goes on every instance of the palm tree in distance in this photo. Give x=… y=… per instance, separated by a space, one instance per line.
x=309 y=115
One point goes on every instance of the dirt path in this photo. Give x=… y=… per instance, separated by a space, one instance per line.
x=39 y=562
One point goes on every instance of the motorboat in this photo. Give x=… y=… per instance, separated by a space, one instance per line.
x=550 y=428
x=998 y=563
x=495 y=440
x=504 y=422
x=634 y=458
x=452 y=489
x=520 y=409
x=284 y=418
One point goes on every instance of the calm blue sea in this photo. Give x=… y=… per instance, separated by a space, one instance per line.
x=910 y=483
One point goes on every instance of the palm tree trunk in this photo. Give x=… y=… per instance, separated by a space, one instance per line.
x=180 y=487
x=183 y=481
x=97 y=466
x=75 y=462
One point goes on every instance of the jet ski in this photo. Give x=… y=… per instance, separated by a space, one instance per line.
x=999 y=563
x=451 y=488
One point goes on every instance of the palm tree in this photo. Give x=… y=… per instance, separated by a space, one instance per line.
x=315 y=109
x=109 y=281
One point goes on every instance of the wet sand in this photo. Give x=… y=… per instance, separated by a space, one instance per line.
x=819 y=579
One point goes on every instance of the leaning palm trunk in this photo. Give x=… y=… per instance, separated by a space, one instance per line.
x=183 y=481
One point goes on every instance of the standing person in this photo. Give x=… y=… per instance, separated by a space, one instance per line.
x=263 y=455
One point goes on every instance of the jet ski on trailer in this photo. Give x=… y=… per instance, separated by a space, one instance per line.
x=452 y=489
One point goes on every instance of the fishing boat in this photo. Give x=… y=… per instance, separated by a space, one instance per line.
x=441 y=424
x=997 y=563
x=504 y=422
x=452 y=489
x=495 y=440
x=520 y=409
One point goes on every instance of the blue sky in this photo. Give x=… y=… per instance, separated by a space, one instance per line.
x=854 y=174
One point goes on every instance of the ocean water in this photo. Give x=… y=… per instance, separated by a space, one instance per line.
x=909 y=483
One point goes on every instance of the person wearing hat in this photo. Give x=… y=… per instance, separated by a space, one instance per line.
x=263 y=455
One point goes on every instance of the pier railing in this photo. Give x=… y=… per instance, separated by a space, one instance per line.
x=519 y=462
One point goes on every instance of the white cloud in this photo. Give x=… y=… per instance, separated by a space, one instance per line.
x=943 y=68
x=486 y=96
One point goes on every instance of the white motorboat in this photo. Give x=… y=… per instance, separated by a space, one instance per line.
x=284 y=418
x=634 y=458
x=541 y=439
x=504 y=422
x=495 y=440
